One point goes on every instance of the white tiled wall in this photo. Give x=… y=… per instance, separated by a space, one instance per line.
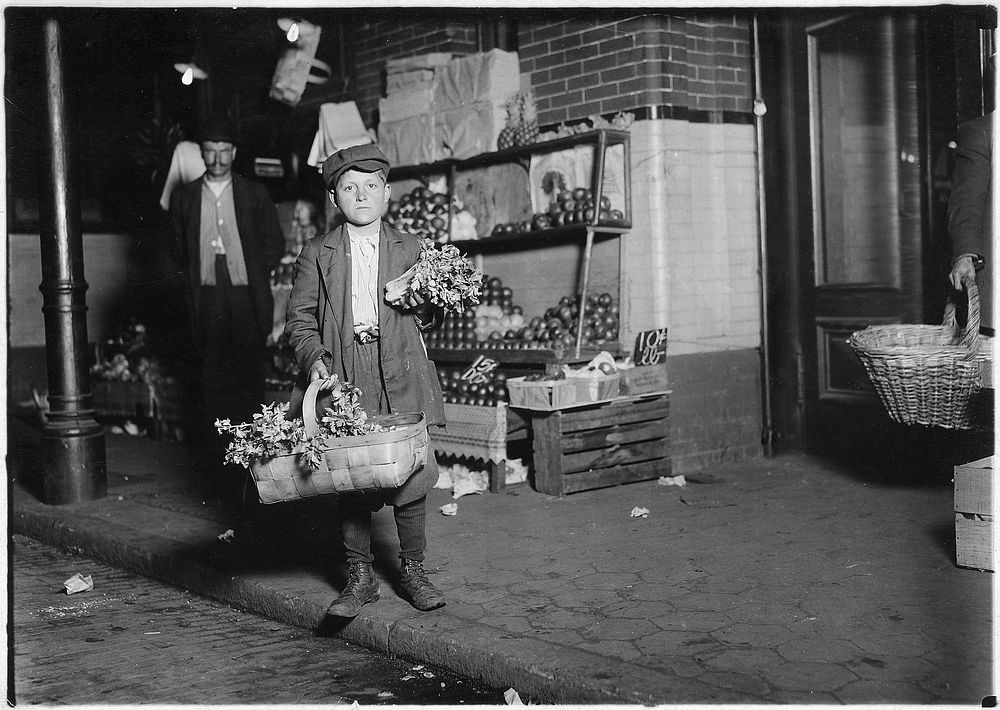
x=691 y=261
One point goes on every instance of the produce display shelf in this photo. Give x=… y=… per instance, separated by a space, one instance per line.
x=537 y=238
x=595 y=402
x=610 y=135
x=480 y=433
x=519 y=356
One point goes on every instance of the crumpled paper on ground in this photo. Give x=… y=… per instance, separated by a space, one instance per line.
x=671 y=481
x=512 y=698
x=79 y=583
x=462 y=480
x=449 y=509
x=638 y=512
x=517 y=472
x=228 y=536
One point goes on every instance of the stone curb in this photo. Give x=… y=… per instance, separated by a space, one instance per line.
x=564 y=676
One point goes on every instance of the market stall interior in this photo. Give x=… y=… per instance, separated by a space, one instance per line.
x=605 y=170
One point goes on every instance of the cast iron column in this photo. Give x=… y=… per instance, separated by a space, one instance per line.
x=74 y=466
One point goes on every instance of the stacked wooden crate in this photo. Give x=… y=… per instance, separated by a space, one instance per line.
x=974 y=514
x=594 y=446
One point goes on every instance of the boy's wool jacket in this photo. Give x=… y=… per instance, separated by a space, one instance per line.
x=320 y=319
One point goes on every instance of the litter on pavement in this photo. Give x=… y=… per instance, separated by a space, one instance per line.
x=671 y=481
x=638 y=512
x=512 y=698
x=228 y=536
x=79 y=583
x=449 y=509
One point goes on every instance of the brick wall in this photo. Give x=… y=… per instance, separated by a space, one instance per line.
x=583 y=66
x=690 y=261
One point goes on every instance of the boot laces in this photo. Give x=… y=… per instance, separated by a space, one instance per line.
x=355 y=578
x=414 y=570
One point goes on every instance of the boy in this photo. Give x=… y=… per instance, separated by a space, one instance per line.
x=338 y=323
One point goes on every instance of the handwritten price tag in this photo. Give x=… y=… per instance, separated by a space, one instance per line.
x=650 y=347
x=480 y=370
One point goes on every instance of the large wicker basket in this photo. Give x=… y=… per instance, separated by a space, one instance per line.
x=929 y=374
x=351 y=463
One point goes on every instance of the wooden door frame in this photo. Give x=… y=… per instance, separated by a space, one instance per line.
x=783 y=54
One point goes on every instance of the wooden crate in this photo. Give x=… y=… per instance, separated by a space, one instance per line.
x=131 y=400
x=598 y=388
x=974 y=514
x=544 y=395
x=586 y=447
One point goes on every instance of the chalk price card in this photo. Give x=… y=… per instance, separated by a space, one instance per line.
x=650 y=347
x=480 y=370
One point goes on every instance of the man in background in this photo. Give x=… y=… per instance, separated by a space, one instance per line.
x=226 y=239
x=970 y=211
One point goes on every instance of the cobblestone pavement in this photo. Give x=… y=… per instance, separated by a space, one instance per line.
x=789 y=580
x=133 y=640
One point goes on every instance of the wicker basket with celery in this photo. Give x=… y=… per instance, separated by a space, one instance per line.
x=344 y=450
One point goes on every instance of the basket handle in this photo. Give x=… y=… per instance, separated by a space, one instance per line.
x=309 y=407
x=970 y=338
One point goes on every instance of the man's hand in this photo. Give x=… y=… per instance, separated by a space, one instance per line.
x=963 y=269
x=318 y=371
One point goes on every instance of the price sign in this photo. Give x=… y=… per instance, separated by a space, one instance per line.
x=480 y=370
x=650 y=347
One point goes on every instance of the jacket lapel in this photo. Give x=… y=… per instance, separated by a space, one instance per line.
x=241 y=207
x=335 y=267
x=388 y=269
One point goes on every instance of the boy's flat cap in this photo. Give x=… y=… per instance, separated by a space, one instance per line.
x=366 y=158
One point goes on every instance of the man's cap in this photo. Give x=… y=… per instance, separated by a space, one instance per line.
x=365 y=158
x=218 y=129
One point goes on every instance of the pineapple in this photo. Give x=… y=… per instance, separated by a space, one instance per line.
x=522 y=121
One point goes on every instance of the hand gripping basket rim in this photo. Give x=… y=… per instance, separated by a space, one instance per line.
x=377 y=461
x=926 y=374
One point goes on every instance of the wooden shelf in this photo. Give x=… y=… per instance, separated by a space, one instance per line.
x=528 y=356
x=410 y=172
x=538 y=238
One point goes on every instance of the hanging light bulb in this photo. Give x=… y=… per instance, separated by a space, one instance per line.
x=190 y=71
x=295 y=28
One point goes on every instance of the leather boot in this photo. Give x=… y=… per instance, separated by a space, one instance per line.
x=423 y=595
x=362 y=587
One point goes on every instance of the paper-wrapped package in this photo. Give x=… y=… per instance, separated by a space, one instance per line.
x=401 y=81
x=416 y=63
x=469 y=130
x=410 y=141
x=485 y=77
x=406 y=103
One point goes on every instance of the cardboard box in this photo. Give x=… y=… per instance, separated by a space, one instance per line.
x=641 y=380
x=974 y=514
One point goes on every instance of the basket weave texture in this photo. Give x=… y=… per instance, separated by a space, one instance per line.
x=929 y=374
x=350 y=463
